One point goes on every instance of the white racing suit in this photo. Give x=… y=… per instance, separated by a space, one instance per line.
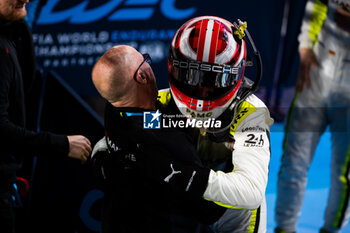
x=326 y=103
x=241 y=190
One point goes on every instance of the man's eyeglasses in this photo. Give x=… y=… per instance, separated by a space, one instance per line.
x=146 y=58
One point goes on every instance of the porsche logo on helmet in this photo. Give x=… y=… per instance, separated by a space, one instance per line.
x=205 y=67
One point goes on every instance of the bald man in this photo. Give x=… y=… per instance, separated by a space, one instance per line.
x=145 y=189
x=115 y=79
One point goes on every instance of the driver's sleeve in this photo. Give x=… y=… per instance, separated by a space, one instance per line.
x=245 y=186
x=314 y=16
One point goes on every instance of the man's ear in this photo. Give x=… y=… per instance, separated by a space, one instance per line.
x=141 y=77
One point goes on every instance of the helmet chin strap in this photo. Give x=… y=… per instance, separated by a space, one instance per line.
x=230 y=112
x=240 y=29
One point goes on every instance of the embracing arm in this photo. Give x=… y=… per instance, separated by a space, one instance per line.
x=245 y=186
x=242 y=188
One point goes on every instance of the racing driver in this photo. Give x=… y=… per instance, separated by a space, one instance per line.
x=207 y=59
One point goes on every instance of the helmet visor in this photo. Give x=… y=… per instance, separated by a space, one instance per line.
x=204 y=80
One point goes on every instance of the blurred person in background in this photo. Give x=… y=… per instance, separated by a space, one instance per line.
x=17 y=66
x=322 y=100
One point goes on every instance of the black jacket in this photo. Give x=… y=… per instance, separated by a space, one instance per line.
x=136 y=197
x=16 y=62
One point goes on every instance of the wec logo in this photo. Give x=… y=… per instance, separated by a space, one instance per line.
x=116 y=10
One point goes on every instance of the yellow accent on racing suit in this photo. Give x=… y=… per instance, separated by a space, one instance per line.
x=243 y=189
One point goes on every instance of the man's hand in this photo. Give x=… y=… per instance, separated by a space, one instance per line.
x=230 y=145
x=101 y=160
x=100 y=147
x=307 y=60
x=79 y=147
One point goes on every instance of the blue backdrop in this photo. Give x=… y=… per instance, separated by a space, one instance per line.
x=70 y=36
